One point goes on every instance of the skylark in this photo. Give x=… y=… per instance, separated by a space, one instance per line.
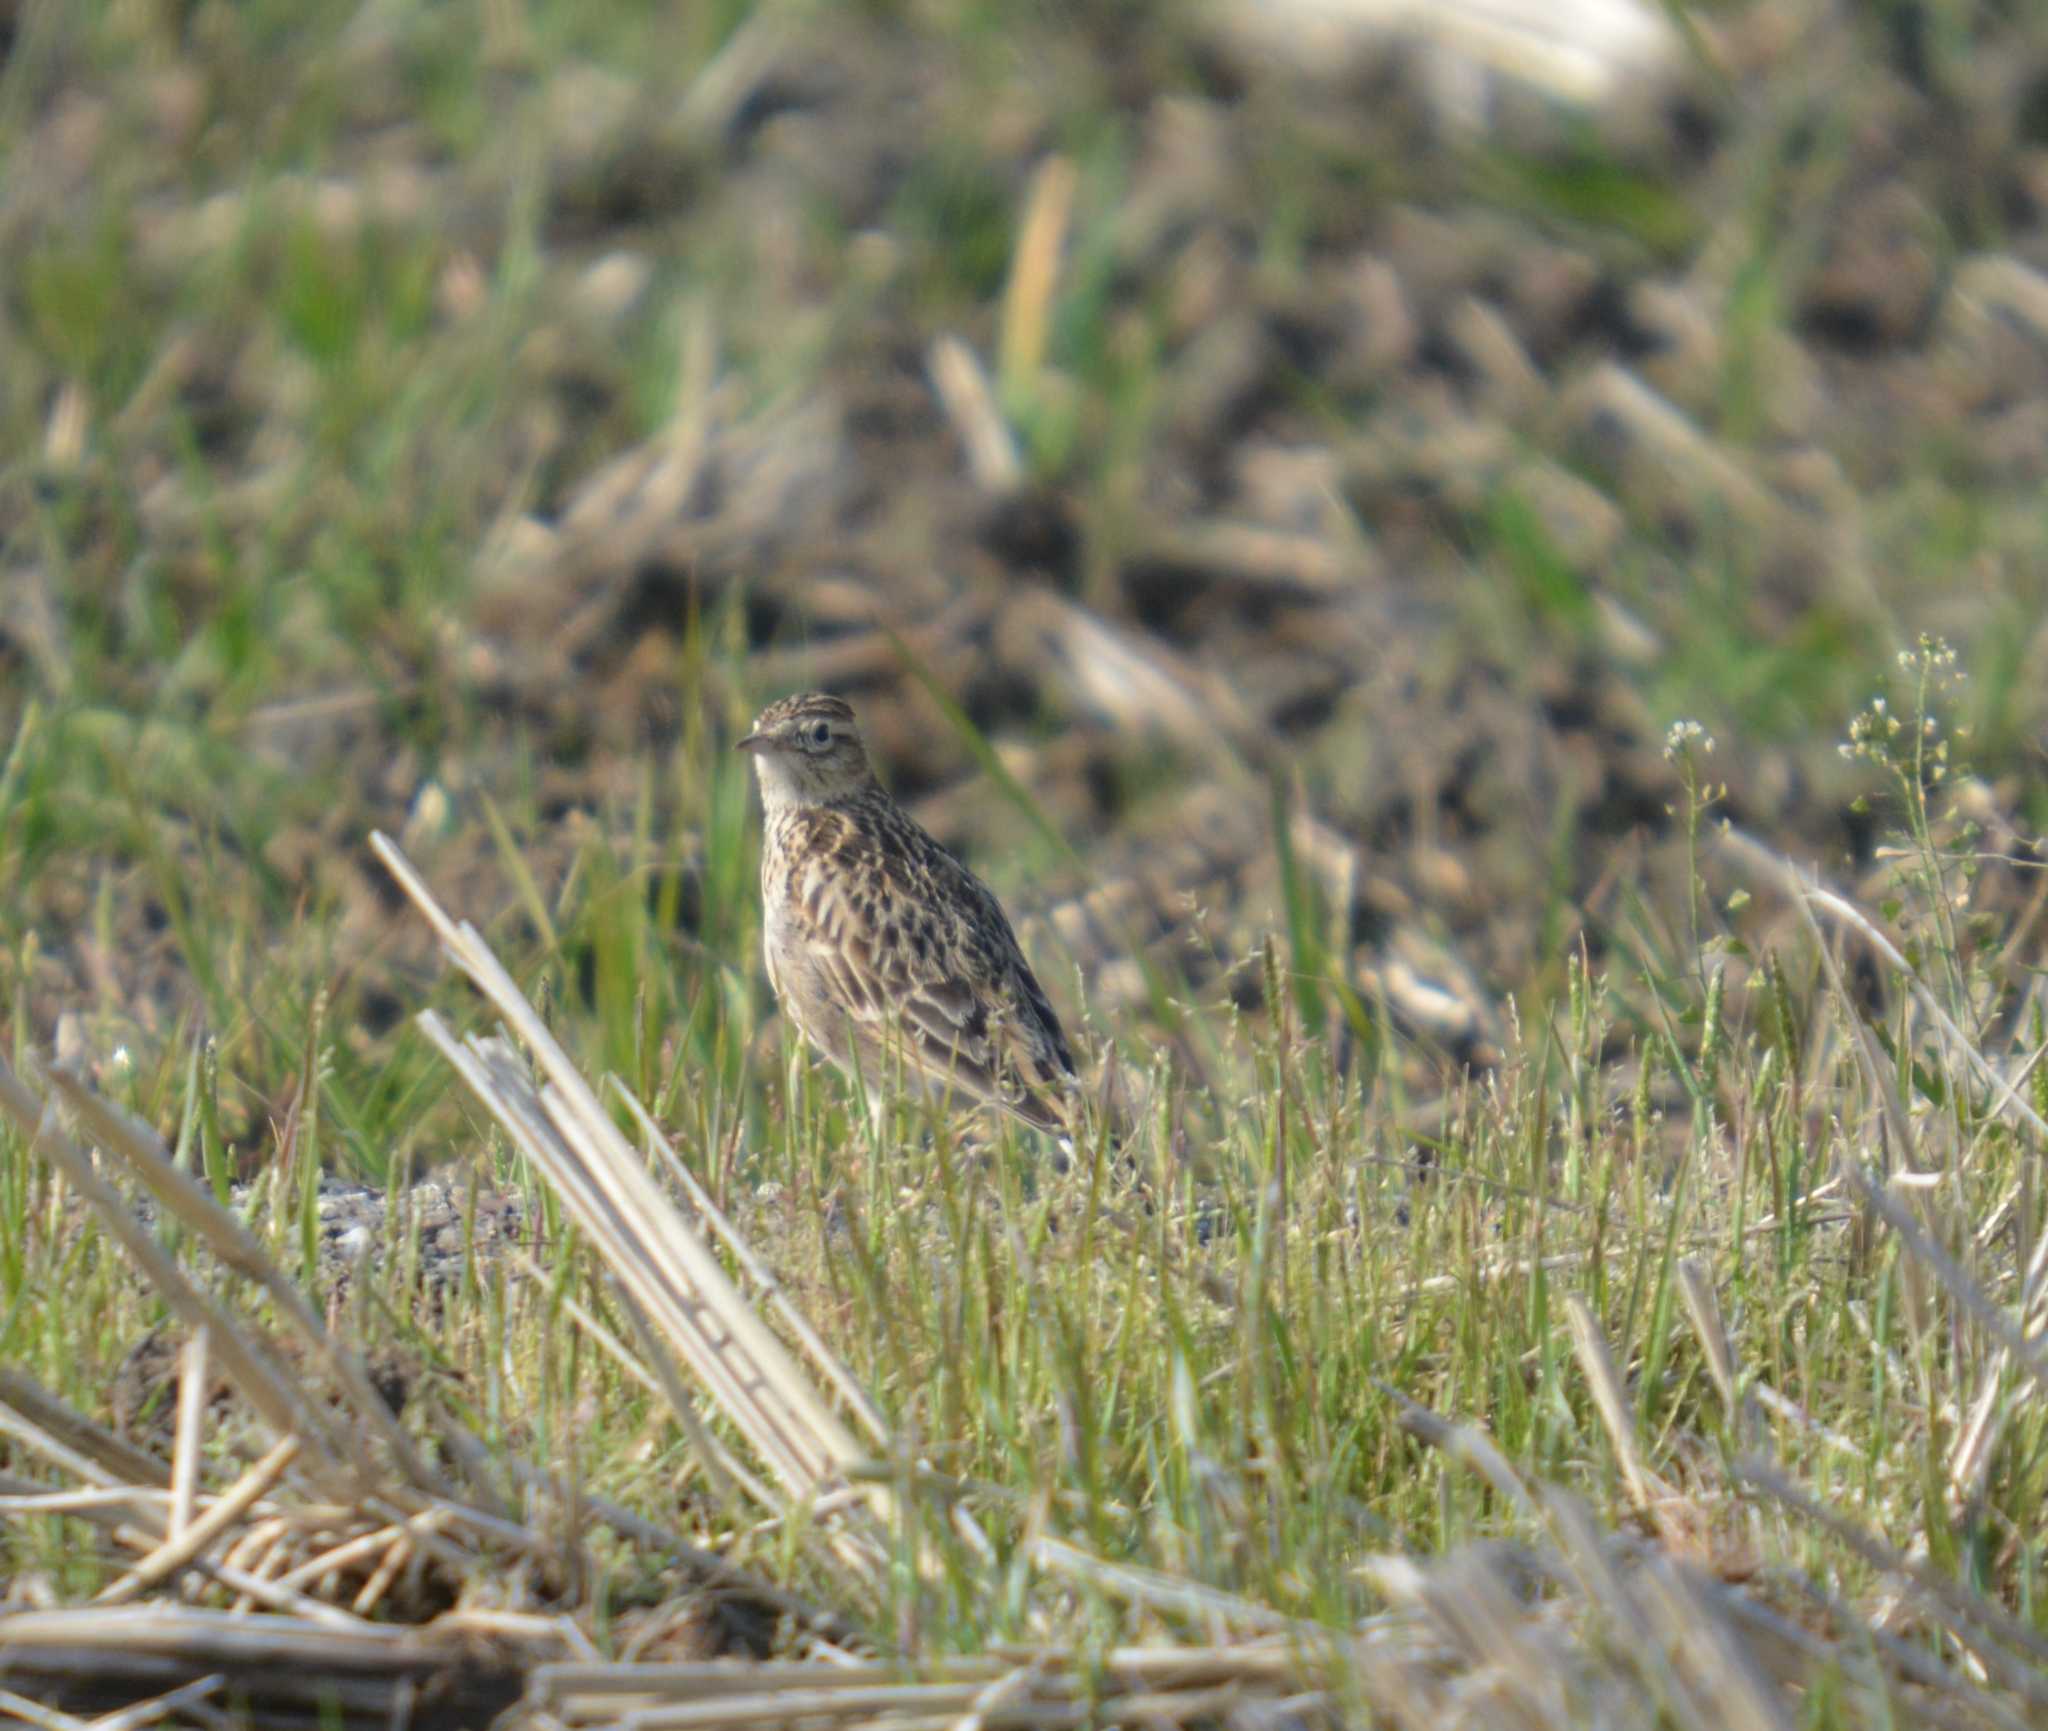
x=881 y=946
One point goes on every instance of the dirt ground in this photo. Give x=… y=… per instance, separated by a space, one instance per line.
x=1420 y=465
x=1270 y=510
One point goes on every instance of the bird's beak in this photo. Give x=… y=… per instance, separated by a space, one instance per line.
x=753 y=742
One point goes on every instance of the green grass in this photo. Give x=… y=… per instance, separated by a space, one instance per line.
x=1213 y=1349
x=1198 y=1364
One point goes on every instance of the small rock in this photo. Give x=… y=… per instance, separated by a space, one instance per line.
x=1993 y=334
x=1219 y=379
x=1662 y=460
x=608 y=289
x=1876 y=279
x=1379 y=335
x=1508 y=385
x=1552 y=292
x=2012 y=444
x=1682 y=339
x=1182 y=177
x=1290 y=486
x=1205 y=278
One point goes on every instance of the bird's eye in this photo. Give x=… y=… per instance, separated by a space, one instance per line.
x=821 y=734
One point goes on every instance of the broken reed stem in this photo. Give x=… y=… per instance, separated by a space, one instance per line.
x=222 y=1513
x=674 y=1278
x=282 y=1406
x=192 y=1364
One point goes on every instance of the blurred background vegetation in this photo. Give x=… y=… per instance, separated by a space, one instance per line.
x=417 y=412
x=1271 y=490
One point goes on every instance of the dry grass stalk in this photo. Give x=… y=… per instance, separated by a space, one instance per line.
x=1989 y=1411
x=261 y=1382
x=284 y=1668
x=1611 y=1401
x=1021 y=1688
x=1985 y=1628
x=323 y=1565
x=27 y=1712
x=1703 y=1310
x=191 y=1698
x=1720 y=1664
x=684 y=1303
x=136 y=1516
x=730 y=1482
x=189 y=1541
x=1603 y=1585
x=335 y=1446
x=1593 y=53
x=1465 y=1443
x=113 y=1459
x=1953 y=1279
x=1811 y=896
x=970 y=404
x=1139 y=685
x=1208 y=1606
x=192 y=1371
x=671 y=1274
x=1027 y=301
x=1252 y=556
x=1701 y=1653
x=75 y=1442
x=829 y=1364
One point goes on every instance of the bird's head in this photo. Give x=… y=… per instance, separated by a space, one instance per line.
x=807 y=751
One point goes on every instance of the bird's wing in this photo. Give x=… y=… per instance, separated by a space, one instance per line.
x=959 y=1034
x=932 y=970
x=978 y=995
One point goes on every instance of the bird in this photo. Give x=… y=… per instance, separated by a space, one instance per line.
x=880 y=945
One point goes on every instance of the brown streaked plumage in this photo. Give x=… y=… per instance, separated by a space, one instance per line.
x=880 y=943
